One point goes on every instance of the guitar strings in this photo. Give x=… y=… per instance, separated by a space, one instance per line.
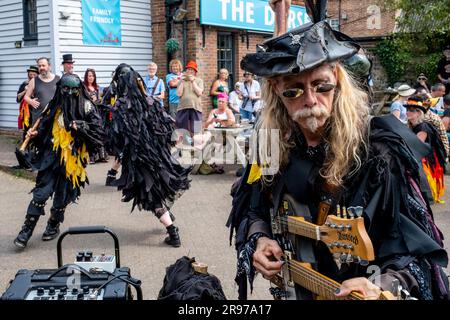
x=327 y=284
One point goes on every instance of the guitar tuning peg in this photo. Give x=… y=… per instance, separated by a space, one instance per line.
x=359 y=211
x=344 y=212
x=364 y=263
x=338 y=211
x=396 y=288
x=343 y=258
x=351 y=212
x=356 y=259
x=349 y=259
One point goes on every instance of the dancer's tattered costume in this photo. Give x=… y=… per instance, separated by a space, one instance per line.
x=69 y=130
x=141 y=135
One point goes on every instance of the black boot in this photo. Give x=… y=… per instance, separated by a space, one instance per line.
x=174 y=238
x=52 y=229
x=111 y=178
x=26 y=232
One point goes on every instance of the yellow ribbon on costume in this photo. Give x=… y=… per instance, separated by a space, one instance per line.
x=255 y=174
x=75 y=169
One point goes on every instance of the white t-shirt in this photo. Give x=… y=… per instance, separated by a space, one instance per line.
x=250 y=90
x=234 y=101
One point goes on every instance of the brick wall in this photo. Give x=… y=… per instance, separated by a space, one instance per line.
x=205 y=55
x=358 y=18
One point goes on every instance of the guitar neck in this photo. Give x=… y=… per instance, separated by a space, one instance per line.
x=305 y=276
x=317 y=283
x=299 y=226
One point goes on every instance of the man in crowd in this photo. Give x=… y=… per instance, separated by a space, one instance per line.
x=437 y=94
x=155 y=86
x=41 y=88
x=251 y=94
x=67 y=63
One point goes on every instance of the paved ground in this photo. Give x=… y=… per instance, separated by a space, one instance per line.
x=201 y=214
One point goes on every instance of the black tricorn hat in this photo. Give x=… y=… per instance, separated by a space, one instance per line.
x=67 y=58
x=298 y=50
x=33 y=69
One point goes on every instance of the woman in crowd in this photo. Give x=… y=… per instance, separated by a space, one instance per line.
x=434 y=163
x=397 y=107
x=90 y=82
x=222 y=116
x=219 y=86
x=173 y=79
x=93 y=89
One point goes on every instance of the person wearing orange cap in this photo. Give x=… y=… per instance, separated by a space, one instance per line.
x=434 y=162
x=190 y=91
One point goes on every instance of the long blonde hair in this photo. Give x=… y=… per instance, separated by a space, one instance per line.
x=347 y=129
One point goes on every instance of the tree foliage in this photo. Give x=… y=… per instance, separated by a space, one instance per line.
x=394 y=58
x=422 y=31
x=421 y=17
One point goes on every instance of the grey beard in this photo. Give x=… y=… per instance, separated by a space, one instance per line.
x=45 y=74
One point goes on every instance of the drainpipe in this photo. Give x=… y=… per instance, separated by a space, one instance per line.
x=168 y=32
x=185 y=35
x=339 y=15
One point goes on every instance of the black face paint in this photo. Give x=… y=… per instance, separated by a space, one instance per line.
x=70 y=105
x=70 y=85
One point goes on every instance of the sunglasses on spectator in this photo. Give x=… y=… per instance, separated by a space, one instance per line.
x=422 y=78
x=298 y=92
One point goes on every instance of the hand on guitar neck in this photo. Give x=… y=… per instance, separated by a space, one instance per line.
x=361 y=285
x=268 y=260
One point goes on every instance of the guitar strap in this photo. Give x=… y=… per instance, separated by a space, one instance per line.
x=329 y=198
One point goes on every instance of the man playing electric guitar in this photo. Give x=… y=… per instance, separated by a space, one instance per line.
x=331 y=151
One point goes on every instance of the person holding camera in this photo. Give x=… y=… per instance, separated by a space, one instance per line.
x=190 y=91
x=251 y=93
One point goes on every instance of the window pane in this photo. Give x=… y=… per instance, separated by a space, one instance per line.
x=30 y=19
x=225 y=55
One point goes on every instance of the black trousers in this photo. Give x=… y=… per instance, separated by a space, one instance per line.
x=52 y=182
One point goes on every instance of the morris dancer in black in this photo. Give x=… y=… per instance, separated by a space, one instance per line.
x=141 y=136
x=69 y=130
x=333 y=152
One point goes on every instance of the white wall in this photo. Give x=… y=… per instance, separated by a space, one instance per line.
x=66 y=35
x=136 y=48
x=14 y=62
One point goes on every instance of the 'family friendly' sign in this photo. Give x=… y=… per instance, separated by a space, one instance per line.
x=101 y=22
x=247 y=14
